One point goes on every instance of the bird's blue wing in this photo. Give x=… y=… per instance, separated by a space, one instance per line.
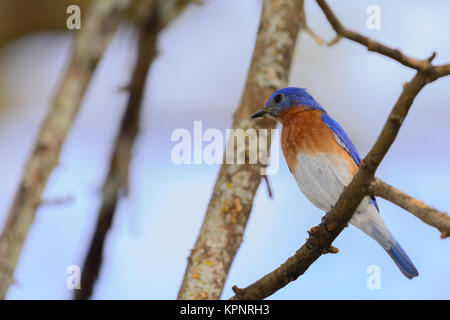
x=345 y=142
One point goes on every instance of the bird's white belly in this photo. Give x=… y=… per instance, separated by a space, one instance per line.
x=322 y=178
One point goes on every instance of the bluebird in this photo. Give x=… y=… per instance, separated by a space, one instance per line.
x=323 y=160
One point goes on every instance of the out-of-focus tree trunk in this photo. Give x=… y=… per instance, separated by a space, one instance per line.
x=90 y=43
x=21 y=17
x=232 y=199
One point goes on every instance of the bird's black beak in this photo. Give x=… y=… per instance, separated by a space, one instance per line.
x=258 y=114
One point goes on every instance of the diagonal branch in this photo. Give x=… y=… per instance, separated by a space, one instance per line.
x=90 y=43
x=117 y=178
x=424 y=66
x=231 y=202
x=154 y=15
x=371 y=45
x=431 y=216
x=443 y=70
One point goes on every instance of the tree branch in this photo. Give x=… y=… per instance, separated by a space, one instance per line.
x=371 y=45
x=154 y=16
x=90 y=43
x=230 y=205
x=425 y=66
x=431 y=216
x=443 y=70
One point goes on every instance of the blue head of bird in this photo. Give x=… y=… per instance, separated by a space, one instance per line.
x=284 y=99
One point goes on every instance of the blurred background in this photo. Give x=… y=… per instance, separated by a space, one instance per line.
x=200 y=74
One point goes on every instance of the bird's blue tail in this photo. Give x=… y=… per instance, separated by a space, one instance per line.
x=373 y=225
x=402 y=260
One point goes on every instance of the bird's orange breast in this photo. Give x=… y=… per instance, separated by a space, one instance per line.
x=303 y=131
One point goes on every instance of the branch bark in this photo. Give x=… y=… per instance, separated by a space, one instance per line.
x=431 y=216
x=230 y=205
x=371 y=44
x=154 y=16
x=88 y=48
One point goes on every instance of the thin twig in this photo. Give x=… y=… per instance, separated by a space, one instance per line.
x=431 y=216
x=64 y=200
x=371 y=45
x=269 y=188
x=335 y=40
x=90 y=43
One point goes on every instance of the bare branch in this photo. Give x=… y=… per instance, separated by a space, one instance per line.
x=269 y=188
x=371 y=45
x=90 y=43
x=431 y=216
x=443 y=70
x=304 y=25
x=150 y=21
x=236 y=185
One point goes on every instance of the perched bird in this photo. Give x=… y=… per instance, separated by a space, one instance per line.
x=323 y=160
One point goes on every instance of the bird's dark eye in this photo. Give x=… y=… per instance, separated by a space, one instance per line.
x=278 y=98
